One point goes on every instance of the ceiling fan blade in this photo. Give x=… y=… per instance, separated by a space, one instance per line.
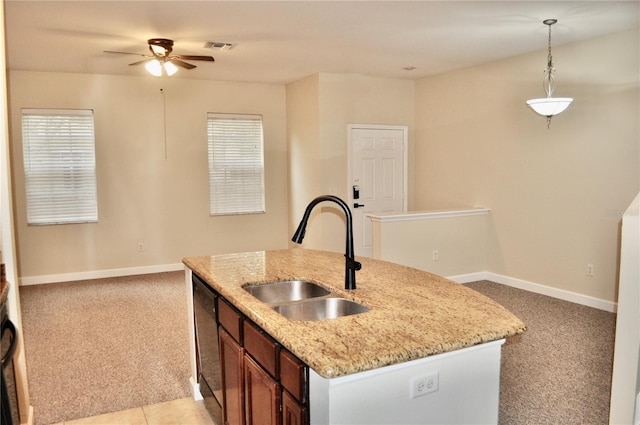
x=125 y=53
x=139 y=62
x=181 y=64
x=195 y=58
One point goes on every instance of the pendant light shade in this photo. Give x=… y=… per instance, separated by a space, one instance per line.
x=549 y=106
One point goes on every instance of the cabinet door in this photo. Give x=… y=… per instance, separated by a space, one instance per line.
x=293 y=413
x=262 y=395
x=231 y=368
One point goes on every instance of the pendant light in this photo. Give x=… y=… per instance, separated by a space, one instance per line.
x=549 y=106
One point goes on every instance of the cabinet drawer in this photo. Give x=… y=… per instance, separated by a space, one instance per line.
x=230 y=319
x=262 y=348
x=293 y=375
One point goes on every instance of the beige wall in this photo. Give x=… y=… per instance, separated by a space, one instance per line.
x=556 y=195
x=357 y=99
x=303 y=136
x=143 y=196
x=334 y=101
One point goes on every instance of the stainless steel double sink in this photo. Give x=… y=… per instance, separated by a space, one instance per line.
x=303 y=300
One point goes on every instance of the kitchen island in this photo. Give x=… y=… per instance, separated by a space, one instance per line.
x=419 y=326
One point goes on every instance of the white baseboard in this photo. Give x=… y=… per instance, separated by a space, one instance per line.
x=195 y=389
x=99 y=274
x=469 y=277
x=538 y=289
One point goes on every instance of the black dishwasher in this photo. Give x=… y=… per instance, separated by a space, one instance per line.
x=208 y=359
x=8 y=393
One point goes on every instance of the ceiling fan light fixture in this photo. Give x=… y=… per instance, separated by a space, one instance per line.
x=154 y=67
x=170 y=68
x=161 y=61
x=549 y=106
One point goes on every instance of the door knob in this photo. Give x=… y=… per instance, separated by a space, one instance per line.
x=356 y=205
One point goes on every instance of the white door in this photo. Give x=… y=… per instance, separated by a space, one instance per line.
x=378 y=178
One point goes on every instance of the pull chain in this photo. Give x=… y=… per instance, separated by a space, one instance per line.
x=164 y=122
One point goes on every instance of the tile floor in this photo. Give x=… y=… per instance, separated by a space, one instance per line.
x=185 y=411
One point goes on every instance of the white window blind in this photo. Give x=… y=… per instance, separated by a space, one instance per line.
x=236 y=164
x=59 y=164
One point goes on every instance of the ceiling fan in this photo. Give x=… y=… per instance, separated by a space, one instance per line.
x=161 y=58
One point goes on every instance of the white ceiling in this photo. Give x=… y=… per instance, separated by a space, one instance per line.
x=280 y=42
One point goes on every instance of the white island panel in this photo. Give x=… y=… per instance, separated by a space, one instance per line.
x=468 y=391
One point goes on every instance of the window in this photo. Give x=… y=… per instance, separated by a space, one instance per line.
x=59 y=166
x=236 y=164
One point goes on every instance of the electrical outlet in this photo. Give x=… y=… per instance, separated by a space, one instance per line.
x=140 y=247
x=589 y=269
x=435 y=255
x=425 y=384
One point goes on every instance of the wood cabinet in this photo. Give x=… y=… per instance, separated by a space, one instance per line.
x=262 y=395
x=295 y=390
x=293 y=376
x=262 y=382
x=231 y=362
x=293 y=413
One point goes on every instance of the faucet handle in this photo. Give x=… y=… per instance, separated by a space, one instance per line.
x=355 y=265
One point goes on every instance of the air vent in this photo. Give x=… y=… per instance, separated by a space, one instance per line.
x=220 y=45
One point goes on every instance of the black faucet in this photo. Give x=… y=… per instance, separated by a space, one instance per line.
x=351 y=264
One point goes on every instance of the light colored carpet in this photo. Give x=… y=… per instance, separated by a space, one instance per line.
x=559 y=371
x=99 y=346
x=105 y=345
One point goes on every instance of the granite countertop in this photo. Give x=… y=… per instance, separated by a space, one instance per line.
x=414 y=314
